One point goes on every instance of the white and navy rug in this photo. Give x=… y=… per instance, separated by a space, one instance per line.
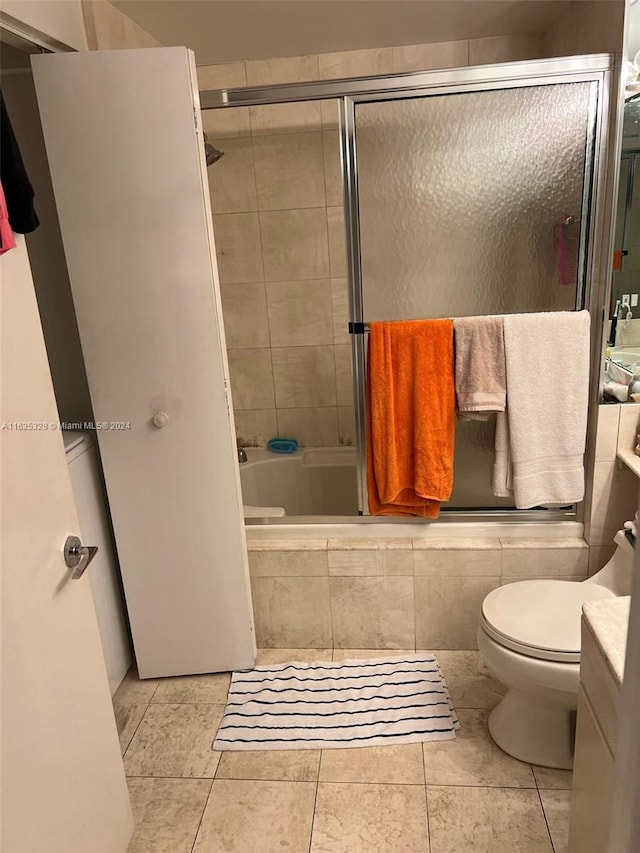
x=348 y=703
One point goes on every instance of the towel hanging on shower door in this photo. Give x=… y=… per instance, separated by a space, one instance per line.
x=540 y=439
x=410 y=417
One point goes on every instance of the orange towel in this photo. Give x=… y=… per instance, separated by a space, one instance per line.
x=410 y=417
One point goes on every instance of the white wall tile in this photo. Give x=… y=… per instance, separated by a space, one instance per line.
x=340 y=310
x=332 y=167
x=295 y=244
x=251 y=378
x=458 y=562
x=448 y=610
x=255 y=427
x=304 y=376
x=232 y=181
x=509 y=48
x=300 y=313
x=344 y=381
x=312 y=427
x=346 y=426
x=226 y=75
x=286 y=69
x=219 y=125
x=244 y=309
x=238 y=249
x=629 y=425
x=285 y=118
x=607 y=432
x=337 y=245
x=547 y=562
x=292 y=612
x=289 y=171
x=371 y=613
x=355 y=63
x=424 y=57
x=361 y=563
x=288 y=563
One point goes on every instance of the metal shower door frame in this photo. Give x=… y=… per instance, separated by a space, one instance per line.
x=595 y=69
x=586 y=289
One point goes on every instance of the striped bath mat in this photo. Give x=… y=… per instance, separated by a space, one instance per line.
x=331 y=705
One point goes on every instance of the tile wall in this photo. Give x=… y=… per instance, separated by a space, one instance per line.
x=279 y=229
x=392 y=593
x=613 y=498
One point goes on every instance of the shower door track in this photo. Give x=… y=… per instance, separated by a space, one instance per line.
x=594 y=69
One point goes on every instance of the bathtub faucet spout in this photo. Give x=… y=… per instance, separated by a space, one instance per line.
x=242 y=455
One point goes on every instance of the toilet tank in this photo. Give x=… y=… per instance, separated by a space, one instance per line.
x=617 y=573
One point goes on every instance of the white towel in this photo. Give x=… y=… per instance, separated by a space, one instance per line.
x=540 y=439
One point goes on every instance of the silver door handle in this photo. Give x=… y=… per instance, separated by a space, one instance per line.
x=78 y=556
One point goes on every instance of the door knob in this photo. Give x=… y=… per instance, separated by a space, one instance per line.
x=78 y=556
x=160 y=419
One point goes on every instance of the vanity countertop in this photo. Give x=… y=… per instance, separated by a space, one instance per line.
x=608 y=620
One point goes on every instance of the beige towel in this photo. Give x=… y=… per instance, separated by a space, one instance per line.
x=540 y=439
x=480 y=367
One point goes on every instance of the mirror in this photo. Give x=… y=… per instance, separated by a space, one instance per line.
x=623 y=351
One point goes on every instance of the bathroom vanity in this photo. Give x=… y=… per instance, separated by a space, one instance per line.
x=604 y=639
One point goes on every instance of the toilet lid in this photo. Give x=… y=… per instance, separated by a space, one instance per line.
x=540 y=619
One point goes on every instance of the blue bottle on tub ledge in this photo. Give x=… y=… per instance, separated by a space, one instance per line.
x=283 y=445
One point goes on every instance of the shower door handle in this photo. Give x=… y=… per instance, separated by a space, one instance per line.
x=78 y=556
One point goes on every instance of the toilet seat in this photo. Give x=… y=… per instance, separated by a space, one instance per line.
x=540 y=619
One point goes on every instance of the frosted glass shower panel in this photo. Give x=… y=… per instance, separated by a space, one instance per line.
x=459 y=197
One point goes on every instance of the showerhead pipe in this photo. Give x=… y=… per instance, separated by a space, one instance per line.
x=212 y=154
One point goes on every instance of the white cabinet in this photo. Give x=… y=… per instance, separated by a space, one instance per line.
x=125 y=147
x=592 y=778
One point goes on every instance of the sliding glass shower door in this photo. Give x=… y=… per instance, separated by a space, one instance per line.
x=469 y=203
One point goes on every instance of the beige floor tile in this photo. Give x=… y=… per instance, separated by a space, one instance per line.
x=202 y=689
x=486 y=820
x=366 y=654
x=556 y=809
x=551 y=779
x=128 y=716
x=266 y=657
x=167 y=813
x=260 y=817
x=370 y=819
x=399 y=764
x=469 y=681
x=175 y=740
x=135 y=690
x=473 y=758
x=288 y=765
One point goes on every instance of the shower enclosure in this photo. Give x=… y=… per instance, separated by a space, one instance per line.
x=459 y=187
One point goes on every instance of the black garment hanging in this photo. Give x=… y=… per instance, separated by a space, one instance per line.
x=18 y=191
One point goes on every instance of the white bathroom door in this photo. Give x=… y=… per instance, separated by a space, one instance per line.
x=124 y=142
x=63 y=783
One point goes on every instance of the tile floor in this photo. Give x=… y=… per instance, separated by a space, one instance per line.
x=462 y=796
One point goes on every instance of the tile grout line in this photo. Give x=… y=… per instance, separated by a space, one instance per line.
x=544 y=815
x=204 y=808
x=264 y=284
x=315 y=802
x=135 y=731
x=326 y=200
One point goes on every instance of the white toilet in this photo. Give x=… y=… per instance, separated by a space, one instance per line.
x=529 y=637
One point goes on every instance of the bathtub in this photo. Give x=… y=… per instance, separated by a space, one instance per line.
x=317 y=481
x=312 y=493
